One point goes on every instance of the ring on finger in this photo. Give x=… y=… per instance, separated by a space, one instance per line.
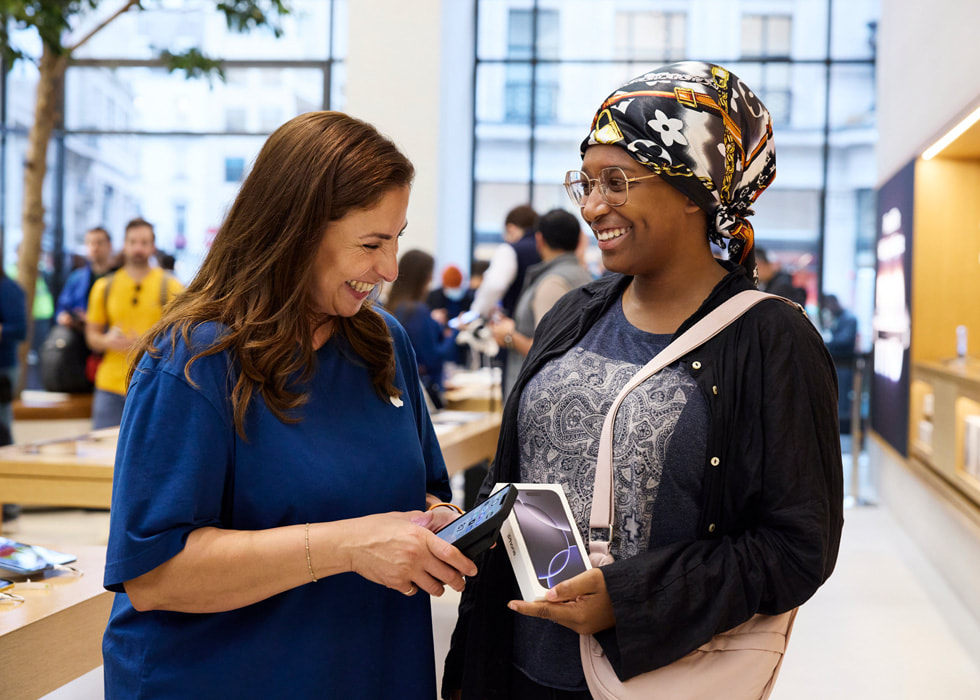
x=411 y=591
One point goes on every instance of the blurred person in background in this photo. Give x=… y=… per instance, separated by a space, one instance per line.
x=433 y=341
x=453 y=297
x=449 y=301
x=840 y=331
x=775 y=280
x=558 y=239
x=122 y=306
x=13 y=331
x=70 y=310
x=504 y=278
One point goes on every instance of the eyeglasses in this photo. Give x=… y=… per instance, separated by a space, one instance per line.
x=136 y=294
x=614 y=186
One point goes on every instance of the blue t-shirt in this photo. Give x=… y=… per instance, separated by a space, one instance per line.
x=181 y=466
x=659 y=444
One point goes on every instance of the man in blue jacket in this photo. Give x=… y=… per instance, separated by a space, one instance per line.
x=73 y=301
x=13 y=330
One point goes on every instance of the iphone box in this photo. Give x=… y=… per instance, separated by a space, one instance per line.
x=542 y=539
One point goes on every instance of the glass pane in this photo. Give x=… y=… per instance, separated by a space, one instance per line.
x=496 y=30
x=21 y=92
x=809 y=40
x=183 y=185
x=855 y=28
x=650 y=36
x=492 y=201
x=178 y=25
x=338 y=87
x=786 y=223
x=150 y=99
x=852 y=97
x=339 y=26
x=792 y=92
x=13 y=197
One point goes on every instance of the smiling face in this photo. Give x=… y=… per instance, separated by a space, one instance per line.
x=653 y=230
x=359 y=252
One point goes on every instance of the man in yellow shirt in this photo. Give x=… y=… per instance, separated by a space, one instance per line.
x=121 y=307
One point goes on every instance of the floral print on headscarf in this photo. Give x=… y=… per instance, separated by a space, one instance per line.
x=702 y=130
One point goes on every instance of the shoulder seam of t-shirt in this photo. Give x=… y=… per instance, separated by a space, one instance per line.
x=180 y=377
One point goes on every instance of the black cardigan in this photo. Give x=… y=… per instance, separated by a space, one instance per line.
x=771 y=514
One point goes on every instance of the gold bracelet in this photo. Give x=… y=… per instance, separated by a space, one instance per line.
x=309 y=562
x=446 y=505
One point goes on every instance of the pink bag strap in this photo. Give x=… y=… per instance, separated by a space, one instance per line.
x=702 y=331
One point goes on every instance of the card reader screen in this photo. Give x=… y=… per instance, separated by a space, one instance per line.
x=466 y=523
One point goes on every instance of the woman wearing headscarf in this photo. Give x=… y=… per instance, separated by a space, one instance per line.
x=727 y=463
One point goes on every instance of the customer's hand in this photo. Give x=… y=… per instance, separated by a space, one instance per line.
x=581 y=603
x=391 y=549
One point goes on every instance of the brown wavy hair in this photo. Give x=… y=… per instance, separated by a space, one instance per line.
x=258 y=279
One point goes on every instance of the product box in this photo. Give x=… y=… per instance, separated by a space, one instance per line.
x=542 y=539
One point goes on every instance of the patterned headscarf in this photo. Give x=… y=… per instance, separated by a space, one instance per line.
x=702 y=130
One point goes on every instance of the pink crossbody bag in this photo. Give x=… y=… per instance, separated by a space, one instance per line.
x=740 y=664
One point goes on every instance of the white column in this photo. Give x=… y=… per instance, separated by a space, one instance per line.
x=409 y=72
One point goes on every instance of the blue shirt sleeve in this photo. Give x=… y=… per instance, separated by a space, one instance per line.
x=174 y=460
x=75 y=293
x=13 y=311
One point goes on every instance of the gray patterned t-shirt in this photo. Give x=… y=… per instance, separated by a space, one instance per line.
x=658 y=457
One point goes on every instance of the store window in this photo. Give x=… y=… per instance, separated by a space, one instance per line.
x=138 y=140
x=526 y=77
x=766 y=36
x=650 y=35
x=769 y=37
x=813 y=218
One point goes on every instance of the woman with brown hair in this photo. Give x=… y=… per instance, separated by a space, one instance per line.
x=275 y=436
x=434 y=343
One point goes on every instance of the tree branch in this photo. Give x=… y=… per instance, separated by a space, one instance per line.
x=122 y=10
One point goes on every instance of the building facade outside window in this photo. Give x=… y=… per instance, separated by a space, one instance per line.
x=139 y=141
x=811 y=61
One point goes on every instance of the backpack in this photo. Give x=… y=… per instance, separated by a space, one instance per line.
x=62 y=361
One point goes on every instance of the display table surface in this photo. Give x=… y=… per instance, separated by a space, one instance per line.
x=47 y=405
x=474 y=390
x=77 y=472
x=55 y=635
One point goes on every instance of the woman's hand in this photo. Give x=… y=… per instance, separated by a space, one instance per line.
x=580 y=604
x=435 y=519
x=393 y=550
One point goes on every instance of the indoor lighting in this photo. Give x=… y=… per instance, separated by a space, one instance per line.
x=953 y=134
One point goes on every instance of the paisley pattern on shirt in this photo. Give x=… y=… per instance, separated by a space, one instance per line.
x=559 y=425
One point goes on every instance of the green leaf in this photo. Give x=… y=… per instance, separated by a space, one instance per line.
x=194 y=64
x=246 y=15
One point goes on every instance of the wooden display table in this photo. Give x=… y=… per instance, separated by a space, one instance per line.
x=77 y=472
x=55 y=635
x=474 y=390
x=466 y=438
x=46 y=405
